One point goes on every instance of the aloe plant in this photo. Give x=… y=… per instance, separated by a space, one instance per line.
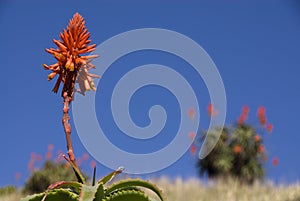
x=129 y=189
x=72 y=67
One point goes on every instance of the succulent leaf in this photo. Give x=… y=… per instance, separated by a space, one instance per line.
x=110 y=176
x=131 y=195
x=54 y=195
x=134 y=183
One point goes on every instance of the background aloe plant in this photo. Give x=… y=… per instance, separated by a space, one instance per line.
x=240 y=150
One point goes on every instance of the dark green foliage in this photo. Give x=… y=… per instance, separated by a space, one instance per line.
x=50 y=173
x=239 y=153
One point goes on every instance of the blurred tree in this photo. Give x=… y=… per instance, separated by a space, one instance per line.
x=239 y=152
x=48 y=174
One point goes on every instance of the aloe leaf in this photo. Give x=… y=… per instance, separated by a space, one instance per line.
x=100 y=192
x=54 y=195
x=60 y=184
x=134 y=183
x=110 y=176
x=127 y=195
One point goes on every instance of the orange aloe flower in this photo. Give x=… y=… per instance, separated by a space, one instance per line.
x=211 y=111
x=50 y=147
x=257 y=138
x=261 y=148
x=246 y=109
x=237 y=149
x=93 y=164
x=269 y=127
x=191 y=113
x=85 y=156
x=275 y=161
x=192 y=135
x=70 y=61
x=17 y=176
x=242 y=119
x=261 y=115
x=193 y=149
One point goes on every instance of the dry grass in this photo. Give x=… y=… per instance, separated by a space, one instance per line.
x=11 y=197
x=194 y=190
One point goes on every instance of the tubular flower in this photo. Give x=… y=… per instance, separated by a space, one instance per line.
x=70 y=62
x=261 y=148
x=261 y=115
x=237 y=149
x=269 y=127
x=211 y=111
x=192 y=135
x=242 y=118
x=275 y=161
x=191 y=113
x=246 y=109
x=193 y=149
x=257 y=138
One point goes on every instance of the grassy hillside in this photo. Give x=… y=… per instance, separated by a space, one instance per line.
x=194 y=190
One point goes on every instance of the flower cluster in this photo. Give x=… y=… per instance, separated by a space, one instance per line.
x=71 y=65
x=240 y=150
x=35 y=161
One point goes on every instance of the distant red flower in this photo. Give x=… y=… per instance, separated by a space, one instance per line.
x=193 y=149
x=261 y=148
x=192 y=135
x=33 y=155
x=48 y=155
x=85 y=157
x=246 y=109
x=275 y=161
x=191 y=113
x=31 y=165
x=93 y=164
x=242 y=119
x=17 y=176
x=261 y=115
x=50 y=147
x=261 y=111
x=262 y=120
x=31 y=161
x=269 y=127
x=237 y=149
x=257 y=138
x=38 y=157
x=211 y=111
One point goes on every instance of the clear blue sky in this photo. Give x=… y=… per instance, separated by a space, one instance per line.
x=254 y=44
